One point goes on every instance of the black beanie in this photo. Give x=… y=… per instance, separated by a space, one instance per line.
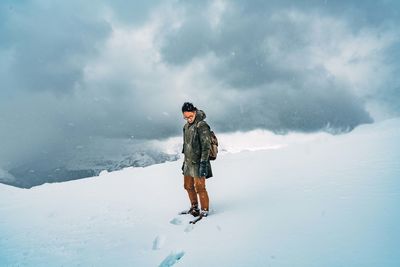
x=187 y=106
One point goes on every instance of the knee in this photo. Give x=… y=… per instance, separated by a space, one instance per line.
x=188 y=184
x=188 y=187
x=200 y=187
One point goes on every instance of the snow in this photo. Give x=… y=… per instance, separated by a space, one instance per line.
x=322 y=201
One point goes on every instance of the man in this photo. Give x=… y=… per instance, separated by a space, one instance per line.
x=196 y=166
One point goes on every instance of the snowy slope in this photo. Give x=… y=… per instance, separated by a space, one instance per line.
x=330 y=201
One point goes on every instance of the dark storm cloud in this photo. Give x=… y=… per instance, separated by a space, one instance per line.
x=49 y=43
x=259 y=44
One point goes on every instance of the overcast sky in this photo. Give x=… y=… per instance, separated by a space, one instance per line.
x=74 y=70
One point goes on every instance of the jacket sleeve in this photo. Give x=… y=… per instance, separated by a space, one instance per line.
x=183 y=144
x=205 y=141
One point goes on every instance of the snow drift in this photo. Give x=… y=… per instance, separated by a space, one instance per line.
x=326 y=201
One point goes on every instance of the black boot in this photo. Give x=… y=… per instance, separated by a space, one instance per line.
x=194 y=210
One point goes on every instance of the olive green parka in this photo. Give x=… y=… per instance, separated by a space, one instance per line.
x=196 y=145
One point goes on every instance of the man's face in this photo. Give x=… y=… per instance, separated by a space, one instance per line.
x=189 y=116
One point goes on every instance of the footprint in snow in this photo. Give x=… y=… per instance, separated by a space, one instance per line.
x=176 y=221
x=172 y=258
x=189 y=228
x=159 y=242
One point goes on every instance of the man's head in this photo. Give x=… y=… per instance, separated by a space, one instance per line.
x=189 y=112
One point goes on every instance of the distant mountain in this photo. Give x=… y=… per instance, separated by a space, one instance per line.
x=42 y=171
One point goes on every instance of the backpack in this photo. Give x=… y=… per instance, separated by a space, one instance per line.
x=214 y=145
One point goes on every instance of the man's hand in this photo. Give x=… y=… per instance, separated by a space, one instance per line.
x=203 y=170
